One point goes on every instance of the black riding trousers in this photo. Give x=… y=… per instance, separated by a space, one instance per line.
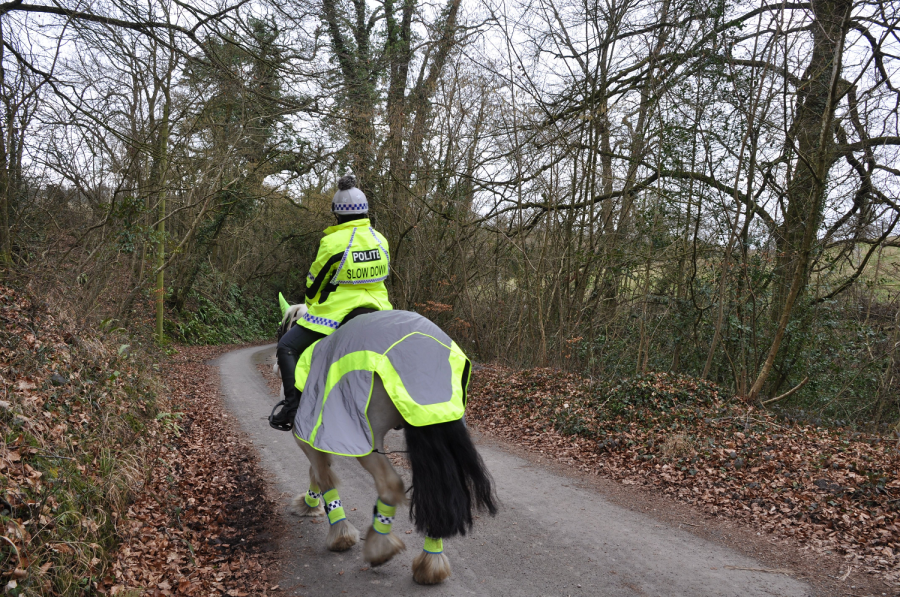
x=290 y=347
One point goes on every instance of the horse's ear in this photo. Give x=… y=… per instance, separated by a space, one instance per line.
x=283 y=304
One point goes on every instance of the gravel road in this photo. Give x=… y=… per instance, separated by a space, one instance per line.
x=550 y=538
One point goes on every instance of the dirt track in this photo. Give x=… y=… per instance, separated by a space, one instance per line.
x=552 y=537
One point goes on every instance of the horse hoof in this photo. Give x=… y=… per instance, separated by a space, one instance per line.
x=381 y=548
x=342 y=536
x=300 y=508
x=430 y=568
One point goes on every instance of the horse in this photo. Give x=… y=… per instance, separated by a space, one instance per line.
x=449 y=478
x=290 y=315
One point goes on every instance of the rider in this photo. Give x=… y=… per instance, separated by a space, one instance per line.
x=347 y=276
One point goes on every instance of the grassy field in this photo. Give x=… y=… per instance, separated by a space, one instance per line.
x=881 y=277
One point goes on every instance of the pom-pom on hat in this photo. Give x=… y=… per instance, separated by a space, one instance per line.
x=349 y=199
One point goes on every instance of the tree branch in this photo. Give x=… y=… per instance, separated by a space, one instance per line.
x=80 y=15
x=842 y=150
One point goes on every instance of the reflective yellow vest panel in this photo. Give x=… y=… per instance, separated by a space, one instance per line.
x=349 y=272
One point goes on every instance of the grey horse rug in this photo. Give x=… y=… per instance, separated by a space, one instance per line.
x=424 y=372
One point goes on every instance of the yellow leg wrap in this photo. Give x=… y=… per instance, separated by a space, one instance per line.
x=333 y=506
x=433 y=545
x=312 y=496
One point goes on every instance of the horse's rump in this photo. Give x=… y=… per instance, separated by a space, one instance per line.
x=424 y=372
x=373 y=373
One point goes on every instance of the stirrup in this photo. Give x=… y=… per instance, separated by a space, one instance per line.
x=279 y=426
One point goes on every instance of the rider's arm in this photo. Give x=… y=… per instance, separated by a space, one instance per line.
x=320 y=273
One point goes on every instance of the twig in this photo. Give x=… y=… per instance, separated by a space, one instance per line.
x=769 y=570
x=18 y=555
x=767 y=423
x=789 y=392
x=45 y=455
x=844 y=577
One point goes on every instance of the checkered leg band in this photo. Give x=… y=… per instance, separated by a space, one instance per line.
x=312 y=498
x=333 y=506
x=383 y=517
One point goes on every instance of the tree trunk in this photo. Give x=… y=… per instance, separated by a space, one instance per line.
x=813 y=138
x=161 y=173
x=5 y=187
x=359 y=75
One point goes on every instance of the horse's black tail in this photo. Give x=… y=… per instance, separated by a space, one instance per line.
x=448 y=479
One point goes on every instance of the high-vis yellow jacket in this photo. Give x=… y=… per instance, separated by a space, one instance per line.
x=349 y=272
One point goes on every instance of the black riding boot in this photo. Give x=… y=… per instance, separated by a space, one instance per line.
x=283 y=420
x=290 y=347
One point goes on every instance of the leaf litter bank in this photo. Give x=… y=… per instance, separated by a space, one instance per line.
x=114 y=478
x=77 y=418
x=203 y=526
x=831 y=490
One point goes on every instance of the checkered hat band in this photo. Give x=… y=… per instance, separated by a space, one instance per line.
x=350 y=207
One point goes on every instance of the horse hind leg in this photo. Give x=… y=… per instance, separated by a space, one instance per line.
x=341 y=534
x=381 y=543
x=431 y=566
x=309 y=503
